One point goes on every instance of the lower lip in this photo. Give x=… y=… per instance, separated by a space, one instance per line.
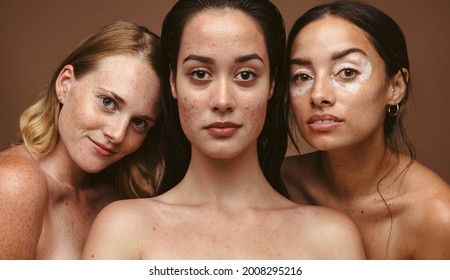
x=222 y=131
x=100 y=150
x=323 y=127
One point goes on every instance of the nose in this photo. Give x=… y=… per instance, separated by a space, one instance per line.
x=116 y=129
x=322 y=93
x=222 y=98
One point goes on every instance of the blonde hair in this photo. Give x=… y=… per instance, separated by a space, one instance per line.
x=137 y=174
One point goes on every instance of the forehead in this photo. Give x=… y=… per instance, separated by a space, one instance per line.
x=332 y=34
x=223 y=28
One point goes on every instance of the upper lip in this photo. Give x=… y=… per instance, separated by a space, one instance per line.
x=223 y=124
x=111 y=150
x=324 y=117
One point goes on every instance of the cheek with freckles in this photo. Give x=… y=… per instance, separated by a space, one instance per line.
x=189 y=113
x=256 y=117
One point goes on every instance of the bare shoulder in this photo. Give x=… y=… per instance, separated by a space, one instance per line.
x=427 y=204
x=23 y=196
x=20 y=174
x=336 y=236
x=124 y=223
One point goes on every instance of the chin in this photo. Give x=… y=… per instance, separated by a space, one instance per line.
x=93 y=168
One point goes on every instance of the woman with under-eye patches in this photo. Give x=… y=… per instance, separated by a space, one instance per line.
x=90 y=139
x=349 y=82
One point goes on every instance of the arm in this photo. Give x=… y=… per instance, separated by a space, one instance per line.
x=23 y=201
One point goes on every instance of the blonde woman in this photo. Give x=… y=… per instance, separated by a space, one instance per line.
x=91 y=139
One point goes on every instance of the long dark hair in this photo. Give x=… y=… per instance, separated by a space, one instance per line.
x=388 y=40
x=272 y=142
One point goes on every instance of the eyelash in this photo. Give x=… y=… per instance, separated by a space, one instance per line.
x=345 y=70
x=195 y=72
x=104 y=98
x=250 y=72
x=142 y=126
x=299 y=78
x=206 y=76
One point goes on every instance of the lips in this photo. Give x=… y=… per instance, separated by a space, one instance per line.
x=222 y=129
x=325 y=122
x=102 y=149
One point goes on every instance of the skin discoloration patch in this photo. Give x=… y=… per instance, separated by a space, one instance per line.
x=361 y=74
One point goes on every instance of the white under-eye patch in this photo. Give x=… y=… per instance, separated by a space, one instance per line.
x=299 y=90
x=354 y=85
x=301 y=87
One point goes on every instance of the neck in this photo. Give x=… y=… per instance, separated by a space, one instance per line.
x=232 y=183
x=60 y=167
x=357 y=172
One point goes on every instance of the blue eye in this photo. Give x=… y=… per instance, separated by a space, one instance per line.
x=140 y=124
x=108 y=102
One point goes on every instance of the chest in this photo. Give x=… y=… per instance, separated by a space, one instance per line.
x=208 y=237
x=66 y=225
x=380 y=222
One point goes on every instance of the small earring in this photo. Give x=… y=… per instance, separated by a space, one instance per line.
x=393 y=112
x=65 y=90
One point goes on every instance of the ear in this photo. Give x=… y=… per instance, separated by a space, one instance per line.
x=64 y=82
x=398 y=87
x=172 y=84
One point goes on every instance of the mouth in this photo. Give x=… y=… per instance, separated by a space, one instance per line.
x=102 y=149
x=325 y=122
x=223 y=129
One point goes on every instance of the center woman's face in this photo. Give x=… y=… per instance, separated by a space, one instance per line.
x=222 y=84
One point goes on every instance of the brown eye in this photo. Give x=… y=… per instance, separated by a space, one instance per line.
x=245 y=75
x=200 y=75
x=301 y=78
x=347 y=73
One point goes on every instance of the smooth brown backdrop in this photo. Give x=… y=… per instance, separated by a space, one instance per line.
x=36 y=35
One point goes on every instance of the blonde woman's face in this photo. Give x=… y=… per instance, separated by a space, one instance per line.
x=223 y=83
x=338 y=86
x=107 y=113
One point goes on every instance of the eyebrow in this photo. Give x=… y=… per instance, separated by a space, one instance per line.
x=209 y=60
x=335 y=56
x=121 y=101
x=346 y=52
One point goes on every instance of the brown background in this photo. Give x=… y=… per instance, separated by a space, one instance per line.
x=36 y=35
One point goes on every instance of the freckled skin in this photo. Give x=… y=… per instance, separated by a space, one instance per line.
x=48 y=204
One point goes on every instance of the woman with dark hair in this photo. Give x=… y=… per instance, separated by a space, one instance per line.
x=90 y=139
x=349 y=83
x=226 y=117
